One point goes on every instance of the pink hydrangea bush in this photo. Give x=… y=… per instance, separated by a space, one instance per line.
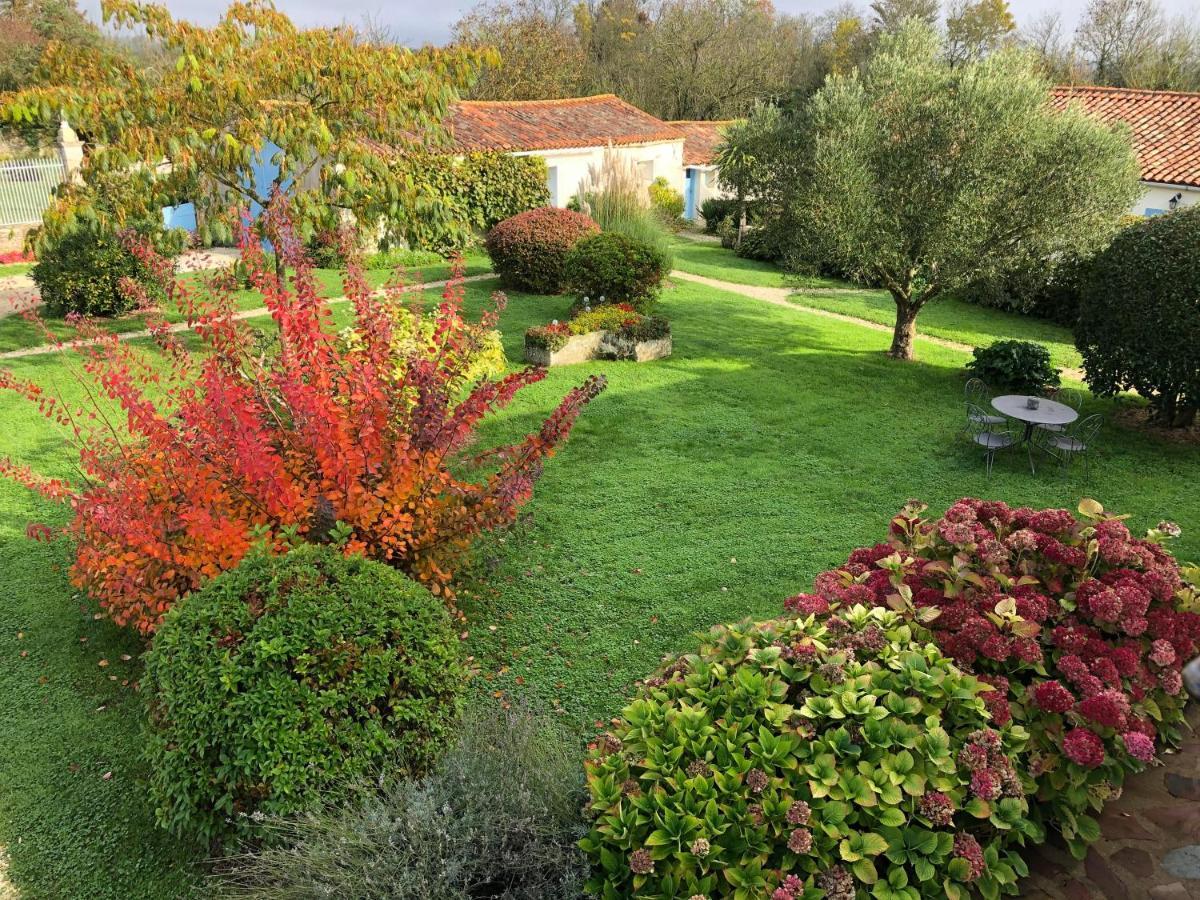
x=1080 y=628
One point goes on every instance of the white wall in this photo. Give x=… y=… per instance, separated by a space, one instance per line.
x=1157 y=199
x=707 y=186
x=569 y=167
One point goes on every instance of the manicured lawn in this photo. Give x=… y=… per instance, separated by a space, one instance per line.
x=955 y=320
x=16 y=332
x=714 y=261
x=15 y=269
x=696 y=490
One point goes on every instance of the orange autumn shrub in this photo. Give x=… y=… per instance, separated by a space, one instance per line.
x=190 y=457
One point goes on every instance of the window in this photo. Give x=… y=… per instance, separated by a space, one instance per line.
x=646 y=171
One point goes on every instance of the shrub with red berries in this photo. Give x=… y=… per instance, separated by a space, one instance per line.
x=809 y=756
x=1079 y=627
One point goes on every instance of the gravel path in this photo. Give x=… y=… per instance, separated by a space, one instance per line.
x=183 y=326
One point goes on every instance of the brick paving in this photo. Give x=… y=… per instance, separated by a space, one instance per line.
x=1150 y=839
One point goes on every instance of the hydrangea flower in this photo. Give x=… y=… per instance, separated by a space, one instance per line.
x=640 y=862
x=1139 y=746
x=966 y=847
x=1084 y=748
x=1051 y=696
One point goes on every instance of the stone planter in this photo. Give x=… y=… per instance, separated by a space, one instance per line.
x=598 y=345
x=578 y=348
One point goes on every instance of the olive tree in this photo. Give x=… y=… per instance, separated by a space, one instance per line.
x=921 y=177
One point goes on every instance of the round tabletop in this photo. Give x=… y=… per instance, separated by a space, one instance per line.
x=1049 y=412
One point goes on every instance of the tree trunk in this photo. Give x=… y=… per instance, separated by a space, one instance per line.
x=906 y=328
x=280 y=268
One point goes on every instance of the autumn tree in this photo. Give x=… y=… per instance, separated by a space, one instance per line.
x=882 y=185
x=889 y=15
x=318 y=104
x=540 y=55
x=975 y=29
x=714 y=59
x=1116 y=34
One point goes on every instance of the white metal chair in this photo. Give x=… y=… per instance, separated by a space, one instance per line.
x=1068 y=397
x=1079 y=440
x=985 y=434
x=979 y=396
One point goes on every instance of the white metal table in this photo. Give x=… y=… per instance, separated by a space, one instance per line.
x=1048 y=412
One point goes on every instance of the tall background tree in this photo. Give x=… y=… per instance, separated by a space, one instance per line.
x=540 y=55
x=319 y=104
x=922 y=177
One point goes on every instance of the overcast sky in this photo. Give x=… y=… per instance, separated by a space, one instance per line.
x=419 y=21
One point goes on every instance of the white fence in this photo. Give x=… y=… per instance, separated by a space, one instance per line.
x=26 y=189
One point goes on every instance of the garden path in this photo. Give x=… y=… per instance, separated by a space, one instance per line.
x=184 y=326
x=1149 y=839
x=785 y=297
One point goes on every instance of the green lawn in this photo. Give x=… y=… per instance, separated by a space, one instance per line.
x=955 y=320
x=697 y=489
x=16 y=332
x=714 y=261
x=15 y=269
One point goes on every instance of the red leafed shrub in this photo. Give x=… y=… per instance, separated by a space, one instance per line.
x=16 y=256
x=1081 y=628
x=363 y=440
x=529 y=251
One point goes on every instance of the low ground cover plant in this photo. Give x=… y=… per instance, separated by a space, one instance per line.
x=221 y=449
x=1020 y=366
x=281 y=682
x=617 y=267
x=497 y=819
x=529 y=251
x=1080 y=627
x=803 y=757
x=1140 y=314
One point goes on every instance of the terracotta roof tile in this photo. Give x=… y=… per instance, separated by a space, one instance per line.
x=554 y=124
x=700 y=139
x=1165 y=126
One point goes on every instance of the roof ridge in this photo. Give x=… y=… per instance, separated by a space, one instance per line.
x=1110 y=89
x=700 y=121
x=555 y=101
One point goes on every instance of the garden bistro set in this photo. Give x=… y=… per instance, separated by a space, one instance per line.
x=1051 y=425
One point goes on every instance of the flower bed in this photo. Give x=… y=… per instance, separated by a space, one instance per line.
x=1080 y=628
x=614 y=331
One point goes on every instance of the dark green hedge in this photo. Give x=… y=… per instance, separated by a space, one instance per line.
x=277 y=684
x=1139 y=315
x=479 y=189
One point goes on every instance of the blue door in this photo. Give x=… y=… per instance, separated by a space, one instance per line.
x=691 y=177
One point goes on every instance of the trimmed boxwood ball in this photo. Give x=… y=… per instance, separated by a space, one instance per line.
x=618 y=268
x=280 y=682
x=1139 y=316
x=808 y=755
x=529 y=250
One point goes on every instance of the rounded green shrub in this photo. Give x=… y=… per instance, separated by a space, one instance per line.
x=82 y=271
x=618 y=268
x=1140 y=313
x=279 y=682
x=807 y=754
x=529 y=250
x=1020 y=366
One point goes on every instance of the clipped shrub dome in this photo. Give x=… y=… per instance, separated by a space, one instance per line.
x=807 y=753
x=278 y=683
x=529 y=250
